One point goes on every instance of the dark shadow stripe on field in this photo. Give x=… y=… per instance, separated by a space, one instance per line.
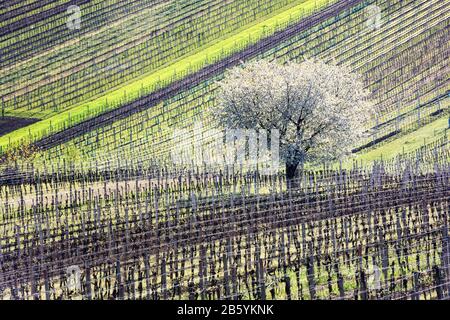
x=193 y=79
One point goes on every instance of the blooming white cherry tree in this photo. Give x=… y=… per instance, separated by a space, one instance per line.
x=319 y=109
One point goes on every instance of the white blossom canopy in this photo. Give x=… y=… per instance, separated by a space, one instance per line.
x=320 y=110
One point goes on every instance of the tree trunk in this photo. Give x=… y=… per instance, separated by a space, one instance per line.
x=292 y=178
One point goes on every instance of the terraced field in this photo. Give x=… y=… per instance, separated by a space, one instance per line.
x=401 y=109
x=107 y=72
